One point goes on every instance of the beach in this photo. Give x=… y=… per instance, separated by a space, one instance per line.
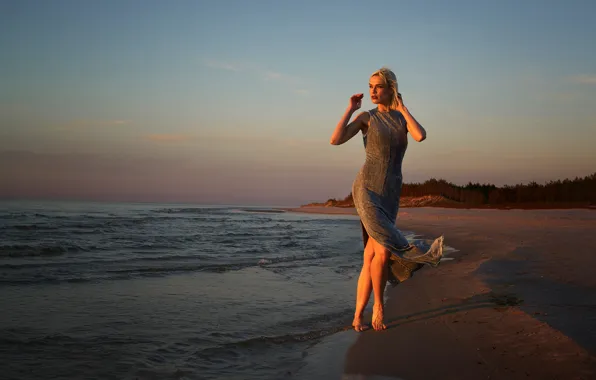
x=517 y=300
x=153 y=291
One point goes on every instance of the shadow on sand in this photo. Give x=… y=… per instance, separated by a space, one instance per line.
x=371 y=358
x=479 y=301
x=568 y=308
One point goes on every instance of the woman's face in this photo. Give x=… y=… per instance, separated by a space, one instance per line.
x=380 y=93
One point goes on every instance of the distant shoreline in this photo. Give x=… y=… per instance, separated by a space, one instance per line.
x=441 y=202
x=577 y=193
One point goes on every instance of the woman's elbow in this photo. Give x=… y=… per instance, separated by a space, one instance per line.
x=421 y=137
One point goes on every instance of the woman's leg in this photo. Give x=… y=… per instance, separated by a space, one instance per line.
x=364 y=286
x=378 y=271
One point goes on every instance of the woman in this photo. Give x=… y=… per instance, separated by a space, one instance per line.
x=376 y=191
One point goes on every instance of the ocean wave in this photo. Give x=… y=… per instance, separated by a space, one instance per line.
x=48 y=279
x=49 y=216
x=192 y=210
x=232 y=235
x=63 y=274
x=13 y=337
x=238 y=347
x=333 y=319
x=107 y=261
x=285 y=239
x=77 y=271
x=261 y=210
x=290 y=244
x=95 y=223
x=13 y=215
x=24 y=337
x=157 y=270
x=117 y=222
x=139 y=220
x=30 y=227
x=26 y=250
x=296 y=258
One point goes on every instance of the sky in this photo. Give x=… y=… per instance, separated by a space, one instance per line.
x=234 y=102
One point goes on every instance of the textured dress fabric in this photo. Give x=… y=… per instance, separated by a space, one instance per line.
x=376 y=193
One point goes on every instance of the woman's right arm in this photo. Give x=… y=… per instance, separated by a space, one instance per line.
x=344 y=131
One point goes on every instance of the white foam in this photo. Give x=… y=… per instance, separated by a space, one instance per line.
x=448 y=250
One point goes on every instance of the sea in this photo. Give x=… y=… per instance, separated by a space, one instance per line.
x=96 y=290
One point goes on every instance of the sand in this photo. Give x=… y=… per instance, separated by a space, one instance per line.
x=518 y=300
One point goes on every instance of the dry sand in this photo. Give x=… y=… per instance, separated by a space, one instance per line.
x=517 y=302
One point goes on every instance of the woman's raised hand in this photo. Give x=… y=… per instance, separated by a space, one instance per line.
x=400 y=106
x=355 y=102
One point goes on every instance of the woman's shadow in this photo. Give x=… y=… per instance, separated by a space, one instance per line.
x=499 y=301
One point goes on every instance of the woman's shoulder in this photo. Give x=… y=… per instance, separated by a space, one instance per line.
x=363 y=116
x=398 y=115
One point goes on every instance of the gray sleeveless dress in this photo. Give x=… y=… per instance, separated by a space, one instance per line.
x=376 y=192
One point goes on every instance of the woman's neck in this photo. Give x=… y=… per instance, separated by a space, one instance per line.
x=383 y=108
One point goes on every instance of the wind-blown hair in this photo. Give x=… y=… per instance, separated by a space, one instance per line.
x=391 y=81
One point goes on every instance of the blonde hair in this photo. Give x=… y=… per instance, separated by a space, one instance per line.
x=391 y=81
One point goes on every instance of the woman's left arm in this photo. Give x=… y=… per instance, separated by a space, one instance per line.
x=414 y=127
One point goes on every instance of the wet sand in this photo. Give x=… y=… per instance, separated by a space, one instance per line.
x=518 y=300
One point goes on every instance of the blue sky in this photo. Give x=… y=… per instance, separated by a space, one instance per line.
x=235 y=101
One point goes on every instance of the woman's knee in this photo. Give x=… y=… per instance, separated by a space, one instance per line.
x=369 y=252
x=381 y=253
x=383 y=256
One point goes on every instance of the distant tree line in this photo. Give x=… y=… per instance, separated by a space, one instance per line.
x=568 y=191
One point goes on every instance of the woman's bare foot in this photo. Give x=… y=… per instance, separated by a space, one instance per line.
x=377 y=318
x=358 y=325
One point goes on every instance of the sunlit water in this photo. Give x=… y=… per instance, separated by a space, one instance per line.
x=156 y=291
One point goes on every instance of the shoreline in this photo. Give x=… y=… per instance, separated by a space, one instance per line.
x=516 y=300
x=322 y=209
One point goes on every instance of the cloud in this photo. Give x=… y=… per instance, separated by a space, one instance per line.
x=223 y=65
x=272 y=75
x=266 y=75
x=583 y=79
x=279 y=77
x=168 y=137
x=82 y=124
